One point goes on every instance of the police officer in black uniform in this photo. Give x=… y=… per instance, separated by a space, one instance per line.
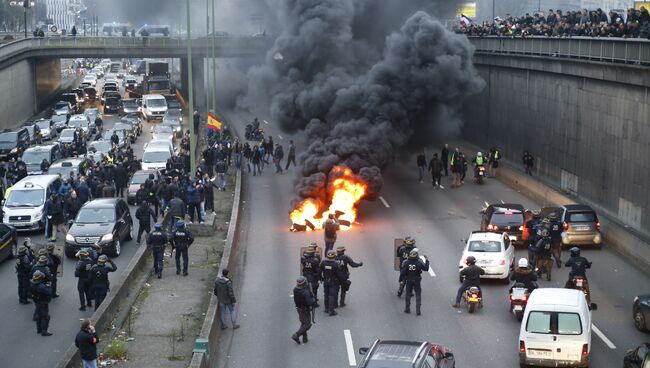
x=344 y=273
x=23 y=271
x=330 y=275
x=310 y=262
x=182 y=239
x=411 y=274
x=157 y=240
x=403 y=254
x=82 y=272
x=99 y=278
x=471 y=277
x=42 y=264
x=556 y=229
x=305 y=302
x=41 y=295
x=54 y=262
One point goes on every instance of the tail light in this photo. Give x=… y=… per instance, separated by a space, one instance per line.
x=566 y=226
x=492 y=227
x=522 y=346
x=474 y=295
x=585 y=349
x=598 y=225
x=524 y=297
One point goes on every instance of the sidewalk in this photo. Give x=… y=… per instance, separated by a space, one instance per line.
x=169 y=312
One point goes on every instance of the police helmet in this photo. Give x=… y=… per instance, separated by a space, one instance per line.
x=22 y=249
x=102 y=259
x=479 y=154
x=523 y=263
x=545 y=233
x=409 y=240
x=340 y=250
x=50 y=246
x=470 y=261
x=83 y=252
x=552 y=216
x=575 y=251
x=331 y=254
x=157 y=226
x=41 y=252
x=37 y=276
x=546 y=221
x=42 y=259
x=413 y=254
x=27 y=242
x=311 y=248
x=301 y=280
x=180 y=224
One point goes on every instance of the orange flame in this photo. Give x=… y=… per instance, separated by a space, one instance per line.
x=345 y=190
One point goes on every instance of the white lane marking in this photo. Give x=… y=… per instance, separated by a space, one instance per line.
x=430 y=270
x=384 y=202
x=279 y=136
x=602 y=336
x=348 y=344
x=265 y=122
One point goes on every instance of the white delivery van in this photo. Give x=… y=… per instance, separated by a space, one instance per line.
x=24 y=205
x=155 y=158
x=556 y=329
x=154 y=107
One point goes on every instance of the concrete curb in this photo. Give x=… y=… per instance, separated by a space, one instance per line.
x=617 y=237
x=110 y=312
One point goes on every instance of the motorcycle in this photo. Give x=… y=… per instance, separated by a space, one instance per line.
x=518 y=300
x=480 y=174
x=472 y=297
x=581 y=283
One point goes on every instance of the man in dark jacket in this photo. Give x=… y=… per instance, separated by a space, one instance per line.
x=226 y=297
x=472 y=277
x=41 y=295
x=305 y=302
x=444 y=157
x=422 y=165
x=435 y=167
x=83 y=191
x=411 y=274
x=175 y=211
x=525 y=275
x=55 y=216
x=121 y=179
x=144 y=214
x=86 y=341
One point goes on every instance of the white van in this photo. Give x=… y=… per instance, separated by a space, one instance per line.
x=556 y=329
x=155 y=158
x=23 y=207
x=154 y=107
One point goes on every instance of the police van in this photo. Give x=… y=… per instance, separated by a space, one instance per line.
x=24 y=202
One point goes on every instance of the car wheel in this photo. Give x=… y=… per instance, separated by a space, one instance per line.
x=14 y=249
x=639 y=320
x=118 y=249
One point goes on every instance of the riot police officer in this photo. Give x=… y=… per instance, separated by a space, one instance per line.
x=42 y=264
x=305 y=301
x=411 y=274
x=330 y=275
x=54 y=262
x=310 y=262
x=41 y=295
x=556 y=230
x=23 y=271
x=157 y=240
x=82 y=272
x=99 y=278
x=181 y=239
x=403 y=253
x=344 y=273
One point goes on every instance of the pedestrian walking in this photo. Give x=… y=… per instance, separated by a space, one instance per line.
x=144 y=214
x=344 y=261
x=529 y=163
x=330 y=228
x=181 y=240
x=310 y=262
x=99 y=278
x=55 y=216
x=462 y=163
x=444 y=157
x=86 y=341
x=291 y=156
x=157 y=241
x=221 y=168
x=329 y=269
x=435 y=168
x=256 y=160
x=305 y=302
x=493 y=160
x=278 y=155
x=422 y=166
x=226 y=297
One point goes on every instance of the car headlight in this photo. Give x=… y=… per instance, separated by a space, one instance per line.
x=14 y=150
x=107 y=238
x=38 y=216
x=69 y=238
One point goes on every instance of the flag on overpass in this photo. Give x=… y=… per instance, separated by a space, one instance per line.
x=214 y=123
x=465 y=20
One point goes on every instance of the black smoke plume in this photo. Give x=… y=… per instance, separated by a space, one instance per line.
x=356 y=101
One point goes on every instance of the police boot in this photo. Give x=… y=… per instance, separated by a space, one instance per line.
x=304 y=338
x=295 y=338
x=400 y=290
x=408 y=308
x=342 y=303
x=417 y=310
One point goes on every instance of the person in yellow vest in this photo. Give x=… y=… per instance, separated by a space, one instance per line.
x=455 y=169
x=479 y=161
x=493 y=161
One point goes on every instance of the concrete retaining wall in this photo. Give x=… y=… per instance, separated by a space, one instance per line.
x=589 y=133
x=17 y=95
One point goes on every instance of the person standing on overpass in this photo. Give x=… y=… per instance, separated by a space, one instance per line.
x=226 y=297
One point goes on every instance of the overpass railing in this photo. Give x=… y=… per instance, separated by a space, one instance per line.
x=629 y=51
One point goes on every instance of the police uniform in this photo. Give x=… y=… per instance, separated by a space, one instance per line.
x=182 y=239
x=411 y=274
x=311 y=270
x=556 y=238
x=99 y=280
x=344 y=261
x=23 y=272
x=157 y=240
x=84 y=282
x=54 y=262
x=41 y=295
x=329 y=269
x=403 y=254
x=304 y=300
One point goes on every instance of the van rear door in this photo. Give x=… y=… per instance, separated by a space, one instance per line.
x=571 y=336
x=540 y=341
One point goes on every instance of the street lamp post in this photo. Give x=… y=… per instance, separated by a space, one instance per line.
x=214 y=69
x=207 y=50
x=190 y=106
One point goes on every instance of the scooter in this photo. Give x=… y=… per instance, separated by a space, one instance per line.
x=480 y=174
x=518 y=300
x=473 y=298
x=581 y=283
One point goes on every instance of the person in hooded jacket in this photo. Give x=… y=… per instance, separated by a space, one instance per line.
x=305 y=301
x=226 y=297
x=525 y=275
x=194 y=202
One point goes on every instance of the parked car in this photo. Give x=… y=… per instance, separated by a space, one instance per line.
x=411 y=354
x=581 y=226
x=60 y=122
x=641 y=312
x=508 y=217
x=34 y=156
x=106 y=222
x=493 y=252
x=8 y=242
x=71 y=165
x=24 y=206
x=130 y=106
x=13 y=143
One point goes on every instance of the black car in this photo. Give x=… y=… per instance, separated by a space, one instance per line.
x=8 y=242
x=638 y=358
x=112 y=105
x=173 y=103
x=508 y=217
x=398 y=354
x=641 y=312
x=73 y=100
x=13 y=144
x=106 y=222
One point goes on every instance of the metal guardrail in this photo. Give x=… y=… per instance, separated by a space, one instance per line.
x=616 y=50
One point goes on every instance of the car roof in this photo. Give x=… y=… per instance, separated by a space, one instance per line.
x=156 y=148
x=396 y=353
x=578 y=207
x=36 y=180
x=102 y=203
x=556 y=296
x=485 y=235
x=74 y=161
x=144 y=172
x=41 y=147
x=502 y=207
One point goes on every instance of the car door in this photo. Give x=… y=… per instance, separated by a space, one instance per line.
x=539 y=336
x=509 y=251
x=120 y=223
x=5 y=241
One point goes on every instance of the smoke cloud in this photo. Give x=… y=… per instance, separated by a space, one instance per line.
x=357 y=96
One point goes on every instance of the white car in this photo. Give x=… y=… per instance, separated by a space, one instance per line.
x=155 y=158
x=494 y=253
x=165 y=143
x=91 y=80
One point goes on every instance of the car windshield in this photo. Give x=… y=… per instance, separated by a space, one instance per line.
x=101 y=146
x=507 y=218
x=581 y=217
x=61 y=105
x=539 y=322
x=25 y=198
x=35 y=157
x=96 y=216
x=174 y=113
x=43 y=124
x=62 y=171
x=568 y=324
x=123 y=126
x=484 y=246
x=78 y=123
x=67 y=133
x=112 y=101
x=59 y=118
x=129 y=104
x=9 y=137
x=157 y=102
x=162 y=128
x=155 y=156
x=90 y=112
x=139 y=178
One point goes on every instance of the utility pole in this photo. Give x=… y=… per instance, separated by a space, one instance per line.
x=207 y=50
x=214 y=68
x=190 y=106
x=25 y=6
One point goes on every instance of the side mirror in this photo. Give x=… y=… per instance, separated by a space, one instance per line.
x=593 y=306
x=363 y=351
x=449 y=355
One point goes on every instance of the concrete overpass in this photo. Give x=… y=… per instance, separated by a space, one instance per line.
x=580 y=106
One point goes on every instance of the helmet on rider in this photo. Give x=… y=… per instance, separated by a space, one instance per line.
x=470 y=261
x=575 y=251
x=301 y=280
x=479 y=154
x=522 y=263
x=157 y=226
x=180 y=224
x=413 y=254
x=409 y=240
x=545 y=233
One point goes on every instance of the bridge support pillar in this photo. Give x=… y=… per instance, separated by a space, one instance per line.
x=199 y=83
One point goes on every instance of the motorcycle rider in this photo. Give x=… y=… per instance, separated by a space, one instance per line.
x=411 y=274
x=403 y=253
x=472 y=277
x=536 y=234
x=479 y=161
x=344 y=273
x=579 y=267
x=310 y=262
x=525 y=275
x=329 y=269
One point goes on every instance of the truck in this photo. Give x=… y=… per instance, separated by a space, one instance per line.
x=155 y=81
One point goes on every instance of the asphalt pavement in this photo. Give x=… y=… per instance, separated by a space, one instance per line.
x=22 y=347
x=268 y=263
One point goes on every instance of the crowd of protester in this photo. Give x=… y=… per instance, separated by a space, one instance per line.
x=556 y=23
